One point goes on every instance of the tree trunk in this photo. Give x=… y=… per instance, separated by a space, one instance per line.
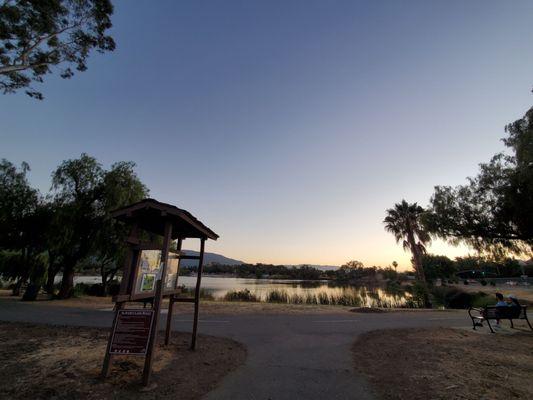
x=17 y=286
x=50 y=279
x=67 y=283
x=419 y=268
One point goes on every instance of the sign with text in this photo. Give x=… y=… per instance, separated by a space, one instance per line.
x=131 y=332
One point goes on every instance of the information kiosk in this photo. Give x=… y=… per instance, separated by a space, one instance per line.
x=150 y=274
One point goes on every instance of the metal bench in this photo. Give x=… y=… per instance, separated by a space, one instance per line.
x=480 y=315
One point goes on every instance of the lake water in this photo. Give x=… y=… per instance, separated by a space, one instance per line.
x=219 y=286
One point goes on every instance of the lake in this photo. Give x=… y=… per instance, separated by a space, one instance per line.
x=219 y=286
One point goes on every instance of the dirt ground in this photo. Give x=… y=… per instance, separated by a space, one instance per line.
x=50 y=362
x=421 y=364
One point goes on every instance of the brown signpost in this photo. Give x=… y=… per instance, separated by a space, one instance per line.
x=150 y=274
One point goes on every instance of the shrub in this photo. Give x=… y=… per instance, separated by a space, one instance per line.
x=454 y=298
x=492 y=283
x=419 y=292
x=483 y=282
x=80 y=289
x=240 y=295
x=113 y=288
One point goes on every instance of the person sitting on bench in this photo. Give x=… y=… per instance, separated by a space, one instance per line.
x=500 y=303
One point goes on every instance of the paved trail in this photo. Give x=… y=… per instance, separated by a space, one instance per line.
x=298 y=356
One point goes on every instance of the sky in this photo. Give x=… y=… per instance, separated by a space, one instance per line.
x=289 y=127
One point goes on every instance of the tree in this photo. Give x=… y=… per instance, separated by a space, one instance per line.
x=120 y=186
x=77 y=187
x=493 y=212
x=350 y=271
x=438 y=267
x=395 y=265
x=404 y=221
x=84 y=232
x=36 y=36
x=20 y=226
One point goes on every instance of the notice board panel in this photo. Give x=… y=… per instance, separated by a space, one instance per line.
x=131 y=332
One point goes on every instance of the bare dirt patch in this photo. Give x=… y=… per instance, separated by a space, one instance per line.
x=52 y=362
x=421 y=364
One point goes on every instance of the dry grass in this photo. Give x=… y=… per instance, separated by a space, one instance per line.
x=207 y=307
x=420 y=364
x=47 y=362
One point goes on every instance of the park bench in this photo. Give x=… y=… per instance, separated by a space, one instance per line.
x=480 y=315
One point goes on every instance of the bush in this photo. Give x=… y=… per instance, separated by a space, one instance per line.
x=465 y=282
x=456 y=298
x=483 y=282
x=492 y=283
x=240 y=295
x=419 y=293
x=113 y=288
x=80 y=289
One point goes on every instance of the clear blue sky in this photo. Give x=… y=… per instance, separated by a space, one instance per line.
x=289 y=126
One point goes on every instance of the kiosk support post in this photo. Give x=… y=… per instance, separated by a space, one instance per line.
x=147 y=372
x=171 y=301
x=197 y=294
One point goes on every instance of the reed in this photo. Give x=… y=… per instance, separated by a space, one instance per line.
x=241 y=295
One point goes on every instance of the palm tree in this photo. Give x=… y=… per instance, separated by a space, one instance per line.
x=395 y=265
x=404 y=222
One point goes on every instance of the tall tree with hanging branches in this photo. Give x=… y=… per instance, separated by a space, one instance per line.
x=38 y=36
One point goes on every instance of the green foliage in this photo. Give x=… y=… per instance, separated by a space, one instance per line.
x=419 y=293
x=85 y=195
x=493 y=212
x=438 y=267
x=36 y=36
x=451 y=297
x=18 y=201
x=70 y=230
x=404 y=221
x=240 y=295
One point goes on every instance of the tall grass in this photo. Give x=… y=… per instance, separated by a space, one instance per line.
x=205 y=294
x=351 y=299
x=240 y=295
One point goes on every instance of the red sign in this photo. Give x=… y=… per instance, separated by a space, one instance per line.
x=131 y=332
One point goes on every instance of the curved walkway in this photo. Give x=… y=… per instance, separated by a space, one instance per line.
x=302 y=356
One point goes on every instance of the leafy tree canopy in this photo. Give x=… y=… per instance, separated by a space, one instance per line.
x=38 y=35
x=493 y=212
x=17 y=202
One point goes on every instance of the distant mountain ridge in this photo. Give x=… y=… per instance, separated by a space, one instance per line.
x=209 y=258
x=214 y=258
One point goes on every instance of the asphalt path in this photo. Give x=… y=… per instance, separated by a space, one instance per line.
x=290 y=356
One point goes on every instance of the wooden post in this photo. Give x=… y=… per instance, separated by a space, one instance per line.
x=108 y=357
x=147 y=372
x=128 y=268
x=197 y=294
x=171 y=301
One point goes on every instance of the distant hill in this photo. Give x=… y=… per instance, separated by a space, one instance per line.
x=209 y=258
x=213 y=258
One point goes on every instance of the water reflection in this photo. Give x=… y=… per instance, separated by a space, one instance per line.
x=368 y=296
